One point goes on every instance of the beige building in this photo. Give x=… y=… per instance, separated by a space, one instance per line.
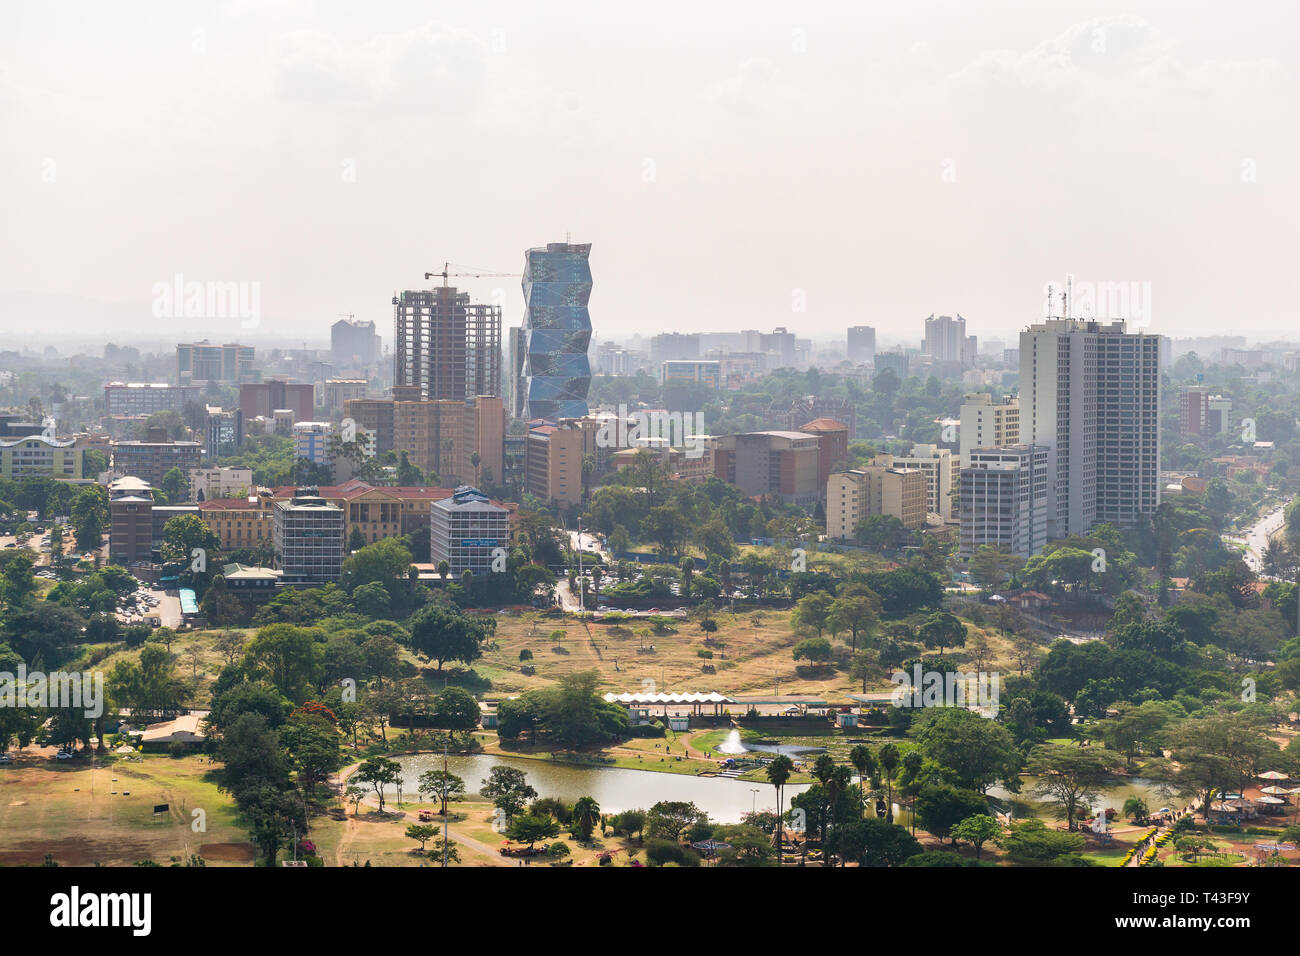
x=553 y=461
x=877 y=489
x=438 y=436
x=942 y=476
x=339 y=390
x=988 y=424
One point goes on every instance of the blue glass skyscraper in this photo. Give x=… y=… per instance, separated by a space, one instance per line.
x=556 y=331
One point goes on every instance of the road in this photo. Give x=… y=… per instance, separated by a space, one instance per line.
x=1257 y=538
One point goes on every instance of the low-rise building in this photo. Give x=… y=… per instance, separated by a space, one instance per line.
x=40 y=456
x=879 y=488
x=309 y=538
x=466 y=530
x=150 y=460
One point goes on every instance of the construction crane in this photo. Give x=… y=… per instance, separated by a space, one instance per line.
x=468 y=275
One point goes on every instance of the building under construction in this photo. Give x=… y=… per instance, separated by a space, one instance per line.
x=445 y=345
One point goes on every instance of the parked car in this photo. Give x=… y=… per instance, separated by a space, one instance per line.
x=63 y=755
x=5 y=758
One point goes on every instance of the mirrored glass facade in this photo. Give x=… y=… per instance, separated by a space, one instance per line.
x=556 y=331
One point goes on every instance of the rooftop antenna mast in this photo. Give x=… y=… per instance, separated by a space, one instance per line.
x=1069 y=294
x=1051 y=291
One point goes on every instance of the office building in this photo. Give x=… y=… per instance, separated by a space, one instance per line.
x=130 y=522
x=207 y=483
x=1194 y=412
x=557 y=331
x=861 y=346
x=946 y=339
x=273 y=395
x=223 y=431
x=465 y=529
x=151 y=459
x=880 y=488
x=142 y=399
x=38 y=456
x=988 y=424
x=311 y=440
x=1005 y=499
x=309 y=538
x=1090 y=392
x=438 y=436
x=354 y=344
x=446 y=346
x=941 y=472
x=771 y=463
x=1219 y=414
x=832 y=446
x=674 y=346
x=694 y=372
x=203 y=362
x=336 y=391
x=553 y=461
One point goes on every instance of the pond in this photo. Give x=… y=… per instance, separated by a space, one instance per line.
x=614 y=788
x=733 y=744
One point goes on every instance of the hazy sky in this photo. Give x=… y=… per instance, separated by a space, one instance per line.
x=876 y=162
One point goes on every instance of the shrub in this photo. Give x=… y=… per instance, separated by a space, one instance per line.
x=662 y=852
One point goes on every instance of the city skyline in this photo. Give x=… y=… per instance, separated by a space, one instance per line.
x=683 y=185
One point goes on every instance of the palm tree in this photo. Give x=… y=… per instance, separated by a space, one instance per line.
x=444 y=569
x=889 y=758
x=475 y=459
x=864 y=762
x=1135 y=808
x=778 y=772
x=596 y=574
x=586 y=814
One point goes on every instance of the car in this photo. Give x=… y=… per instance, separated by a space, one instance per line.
x=5 y=758
x=63 y=755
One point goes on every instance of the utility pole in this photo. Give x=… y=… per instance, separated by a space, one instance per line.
x=581 y=606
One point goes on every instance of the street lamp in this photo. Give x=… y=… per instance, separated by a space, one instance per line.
x=753 y=801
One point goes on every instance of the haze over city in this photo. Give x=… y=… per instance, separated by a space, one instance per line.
x=873 y=165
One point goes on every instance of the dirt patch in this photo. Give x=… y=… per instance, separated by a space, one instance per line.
x=227 y=852
x=77 y=852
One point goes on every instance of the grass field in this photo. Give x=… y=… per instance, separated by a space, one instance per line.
x=83 y=816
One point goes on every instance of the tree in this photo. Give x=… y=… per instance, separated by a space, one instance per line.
x=508 y=789
x=816 y=650
x=940 y=808
x=856 y=613
x=442 y=634
x=530 y=828
x=976 y=830
x=312 y=742
x=991 y=567
x=90 y=517
x=943 y=630
x=185 y=534
x=812 y=610
x=779 y=769
x=864 y=762
x=586 y=814
x=1030 y=841
x=974 y=752
x=379 y=772
x=422 y=833
x=1135 y=808
x=1070 y=777
x=880 y=532
x=456 y=709
x=286 y=655
x=873 y=842
x=668 y=818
